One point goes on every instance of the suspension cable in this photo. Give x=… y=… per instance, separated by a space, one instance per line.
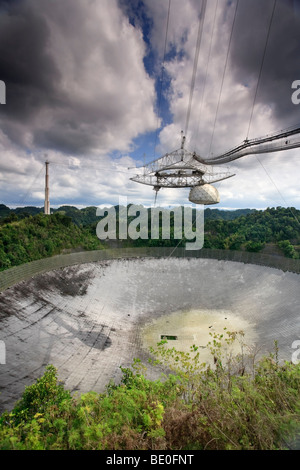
x=276 y=187
x=162 y=76
x=198 y=44
x=224 y=71
x=206 y=72
x=261 y=67
x=29 y=189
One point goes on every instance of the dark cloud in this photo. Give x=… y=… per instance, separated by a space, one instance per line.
x=74 y=76
x=281 y=62
x=26 y=66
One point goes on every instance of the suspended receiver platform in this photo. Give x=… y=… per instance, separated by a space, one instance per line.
x=182 y=168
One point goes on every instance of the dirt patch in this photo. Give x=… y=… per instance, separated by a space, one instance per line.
x=72 y=281
x=6 y=307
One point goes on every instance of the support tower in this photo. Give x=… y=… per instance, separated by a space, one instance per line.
x=47 y=203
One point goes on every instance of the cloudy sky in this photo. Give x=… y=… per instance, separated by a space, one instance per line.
x=98 y=87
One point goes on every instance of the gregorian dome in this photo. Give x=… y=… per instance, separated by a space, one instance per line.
x=204 y=194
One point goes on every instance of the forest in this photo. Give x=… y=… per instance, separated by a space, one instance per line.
x=39 y=236
x=26 y=234
x=280 y=226
x=275 y=230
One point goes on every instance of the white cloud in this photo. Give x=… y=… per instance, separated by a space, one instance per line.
x=103 y=99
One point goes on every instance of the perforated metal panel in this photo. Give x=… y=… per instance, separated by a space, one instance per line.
x=205 y=194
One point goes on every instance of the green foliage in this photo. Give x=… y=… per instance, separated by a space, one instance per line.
x=288 y=249
x=37 y=398
x=40 y=236
x=254 y=246
x=236 y=402
x=249 y=230
x=243 y=229
x=254 y=230
x=80 y=217
x=37 y=414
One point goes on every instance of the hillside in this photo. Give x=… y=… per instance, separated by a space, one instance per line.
x=274 y=230
x=87 y=215
x=25 y=237
x=273 y=226
x=40 y=236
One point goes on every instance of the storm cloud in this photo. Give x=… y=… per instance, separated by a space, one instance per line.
x=269 y=52
x=71 y=70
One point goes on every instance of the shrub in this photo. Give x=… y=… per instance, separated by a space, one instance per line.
x=254 y=246
x=234 y=403
x=288 y=249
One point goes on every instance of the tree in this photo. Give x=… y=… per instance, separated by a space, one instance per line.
x=254 y=246
x=288 y=249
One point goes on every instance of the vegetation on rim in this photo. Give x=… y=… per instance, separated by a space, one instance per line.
x=237 y=403
x=25 y=237
x=40 y=236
